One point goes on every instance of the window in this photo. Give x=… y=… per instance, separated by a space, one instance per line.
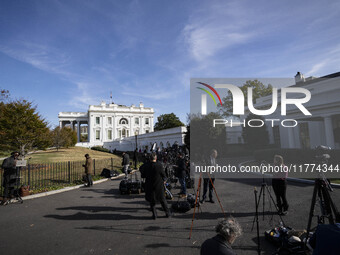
x=146 y=131
x=97 y=134
x=109 y=120
x=123 y=121
x=147 y=121
x=109 y=134
x=97 y=120
x=123 y=133
x=137 y=121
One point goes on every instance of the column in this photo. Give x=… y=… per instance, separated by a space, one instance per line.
x=78 y=131
x=131 y=132
x=114 y=131
x=329 y=132
x=291 y=143
x=61 y=124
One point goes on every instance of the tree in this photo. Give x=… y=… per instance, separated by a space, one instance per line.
x=63 y=137
x=22 y=128
x=204 y=136
x=259 y=90
x=4 y=95
x=166 y=121
x=255 y=137
x=187 y=137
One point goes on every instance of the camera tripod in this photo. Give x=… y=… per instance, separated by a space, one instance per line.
x=197 y=203
x=262 y=195
x=327 y=206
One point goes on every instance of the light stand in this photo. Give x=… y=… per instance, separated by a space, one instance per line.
x=197 y=200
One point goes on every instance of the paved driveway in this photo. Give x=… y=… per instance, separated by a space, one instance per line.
x=99 y=220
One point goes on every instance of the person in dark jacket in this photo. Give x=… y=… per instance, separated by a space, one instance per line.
x=126 y=163
x=10 y=170
x=154 y=185
x=135 y=157
x=227 y=232
x=209 y=180
x=88 y=170
x=181 y=174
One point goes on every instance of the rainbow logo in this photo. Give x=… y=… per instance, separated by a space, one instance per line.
x=209 y=93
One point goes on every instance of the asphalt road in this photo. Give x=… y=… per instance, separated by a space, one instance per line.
x=98 y=220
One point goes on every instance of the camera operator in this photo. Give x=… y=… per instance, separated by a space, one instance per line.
x=9 y=166
x=211 y=161
x=279 y=184
x=227 y=232
x=181 y=174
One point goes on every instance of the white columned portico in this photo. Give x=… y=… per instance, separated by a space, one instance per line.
x=291 y=137
x=329 y=132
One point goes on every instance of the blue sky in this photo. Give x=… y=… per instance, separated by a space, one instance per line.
x=64 y=55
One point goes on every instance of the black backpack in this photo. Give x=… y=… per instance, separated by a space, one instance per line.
x=181 y=206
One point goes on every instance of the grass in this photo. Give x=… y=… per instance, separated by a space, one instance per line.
x=49 y=169
x=68 y=154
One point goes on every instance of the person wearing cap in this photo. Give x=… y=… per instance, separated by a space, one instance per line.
x=227 y=231
x=88 y=170
x=9 y=166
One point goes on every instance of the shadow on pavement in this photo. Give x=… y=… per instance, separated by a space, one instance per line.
x=166 y=245
x=137 y=232
x=87 y=216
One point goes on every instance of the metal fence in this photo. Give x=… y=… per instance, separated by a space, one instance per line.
x=47 y=176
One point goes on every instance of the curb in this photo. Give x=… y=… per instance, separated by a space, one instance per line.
x=48 y=193
x=334 y=185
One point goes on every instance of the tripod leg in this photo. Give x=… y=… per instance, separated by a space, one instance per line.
x=218 y=199
x=277 y=209
x=311 y=211
x=257 y=222
x=193 y=216
x=257 y=206
x=263 y=201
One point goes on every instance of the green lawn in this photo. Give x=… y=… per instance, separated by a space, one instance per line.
x=52 y=169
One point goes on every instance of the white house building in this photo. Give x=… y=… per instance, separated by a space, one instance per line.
x=118 y=127
x=322 y=127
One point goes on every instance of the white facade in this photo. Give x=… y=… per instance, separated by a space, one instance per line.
x=120 y=127
x=109 y=122
x=163 y=139
x=321 y=127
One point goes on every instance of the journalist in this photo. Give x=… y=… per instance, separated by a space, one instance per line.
x=227 y=231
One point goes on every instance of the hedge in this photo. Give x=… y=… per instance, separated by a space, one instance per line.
x=98 y=148
x=296 y=156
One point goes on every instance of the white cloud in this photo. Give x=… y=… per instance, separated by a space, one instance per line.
x=40 y=56
x=215 y=28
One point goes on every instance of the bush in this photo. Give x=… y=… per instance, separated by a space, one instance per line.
x=98 y=148
x=295 y=156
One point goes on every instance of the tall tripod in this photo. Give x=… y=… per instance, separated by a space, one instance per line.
x=327 y=206
x=262 y=195
x=197 y=204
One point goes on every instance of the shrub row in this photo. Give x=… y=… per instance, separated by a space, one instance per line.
x=295 y=156
x=98 y=148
